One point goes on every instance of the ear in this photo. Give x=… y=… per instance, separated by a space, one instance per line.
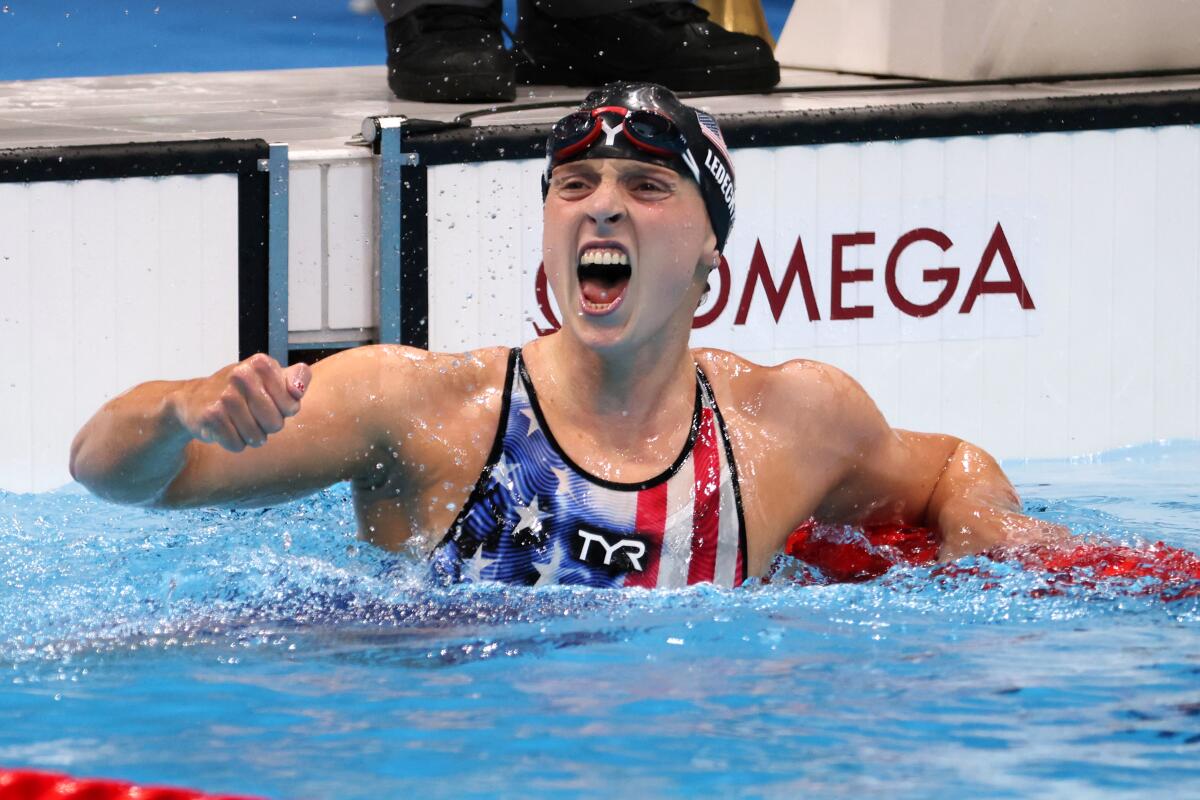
x=710 y=256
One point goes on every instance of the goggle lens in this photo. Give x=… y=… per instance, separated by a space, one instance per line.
x=573 y=127
x=652 y=128
x=646 y=130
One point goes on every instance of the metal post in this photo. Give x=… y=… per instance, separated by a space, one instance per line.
x=390 y=161
x=277 y=255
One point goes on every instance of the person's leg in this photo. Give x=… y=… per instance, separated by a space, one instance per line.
x=668 y=42
x=446 y=51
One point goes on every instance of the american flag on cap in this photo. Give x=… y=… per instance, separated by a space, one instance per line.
x=712 y=132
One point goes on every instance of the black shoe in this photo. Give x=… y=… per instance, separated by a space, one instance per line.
x=673 y=44
x=449 y=54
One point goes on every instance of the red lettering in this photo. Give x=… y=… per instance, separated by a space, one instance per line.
x=541 y=292
x=997 y=245
x=840 y=277
x=797 y=268
x=710 y=316
x=947 y=274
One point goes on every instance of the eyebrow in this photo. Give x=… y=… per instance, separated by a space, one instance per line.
x=650 y=171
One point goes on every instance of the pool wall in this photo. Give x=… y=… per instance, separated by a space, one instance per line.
x=1014 y=265
x=1035 y=293
x=120 y=264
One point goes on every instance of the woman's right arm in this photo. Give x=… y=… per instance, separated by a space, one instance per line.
x=239 y=437
x=138 y=443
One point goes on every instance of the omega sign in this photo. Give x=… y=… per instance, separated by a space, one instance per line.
x=996 y=273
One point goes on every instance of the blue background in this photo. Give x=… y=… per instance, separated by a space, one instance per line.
x=52 y=38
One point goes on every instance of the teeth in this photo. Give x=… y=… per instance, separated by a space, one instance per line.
x=599 y=255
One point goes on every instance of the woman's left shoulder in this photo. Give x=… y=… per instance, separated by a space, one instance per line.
x=734 y=371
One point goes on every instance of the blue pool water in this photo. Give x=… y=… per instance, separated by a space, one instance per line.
x=270 y=652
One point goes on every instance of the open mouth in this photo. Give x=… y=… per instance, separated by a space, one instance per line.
x=604 y=273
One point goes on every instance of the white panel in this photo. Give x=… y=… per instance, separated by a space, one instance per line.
x=882 y=211
x=453 y=256
x=961 y=402
x=1007 y=200
x=220 y=272
x=1175 y=323
x=94 y=259
x=16 y=339
x=306 y=245
x=920 y=386
x=138 y=259
x=923 y=191
x=968 y=223
x=837 y=214
x=52 y=348
x=1090 y=328
x=772 y=219
x=878 y=370
x=1108 y=356
x=180 y=278
x=1135 y=264
x=350 y=245
x=533 y=317
x=777 y=218
x=982 y=39
x=1048 y=362
x=498 y=295
x=786 y=226
x=1003 y=401
x=111 y=283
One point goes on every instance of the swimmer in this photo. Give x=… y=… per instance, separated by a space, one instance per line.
x=607 y=453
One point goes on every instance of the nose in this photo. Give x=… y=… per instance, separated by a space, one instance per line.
x=606 y=205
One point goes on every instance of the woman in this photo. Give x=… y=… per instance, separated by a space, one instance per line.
x=607 y=453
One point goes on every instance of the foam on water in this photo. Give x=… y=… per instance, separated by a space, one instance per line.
x=288 y=658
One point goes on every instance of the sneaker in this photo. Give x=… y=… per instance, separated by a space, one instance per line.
x=673 y=44
x=449 y=54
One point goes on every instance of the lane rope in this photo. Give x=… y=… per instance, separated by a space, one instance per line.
x=854 y=555
x=29 y=784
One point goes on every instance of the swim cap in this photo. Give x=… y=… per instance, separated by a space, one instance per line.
x=647 y=122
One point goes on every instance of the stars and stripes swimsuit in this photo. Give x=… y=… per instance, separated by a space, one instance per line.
x=535 y=517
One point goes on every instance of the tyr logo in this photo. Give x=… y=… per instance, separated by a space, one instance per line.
x=612 y=550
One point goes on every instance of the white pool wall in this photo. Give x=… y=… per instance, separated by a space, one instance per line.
x=110 y=283
x=1104 y=228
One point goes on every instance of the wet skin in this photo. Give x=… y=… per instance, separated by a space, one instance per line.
x=412 y=429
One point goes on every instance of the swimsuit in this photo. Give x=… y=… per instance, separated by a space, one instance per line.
x=535 y=517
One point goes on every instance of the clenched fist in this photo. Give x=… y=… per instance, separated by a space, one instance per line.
x=241 y=405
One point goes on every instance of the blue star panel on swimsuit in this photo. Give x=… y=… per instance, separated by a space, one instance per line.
x=536 y=518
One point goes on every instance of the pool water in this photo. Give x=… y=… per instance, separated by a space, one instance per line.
x=268 y=652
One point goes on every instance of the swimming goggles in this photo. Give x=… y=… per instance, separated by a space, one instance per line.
x=646 y=130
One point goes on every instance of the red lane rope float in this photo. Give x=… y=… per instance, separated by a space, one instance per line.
x=28 y=784
x=862 y=554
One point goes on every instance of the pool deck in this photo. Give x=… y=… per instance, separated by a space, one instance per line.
x=321 y=110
